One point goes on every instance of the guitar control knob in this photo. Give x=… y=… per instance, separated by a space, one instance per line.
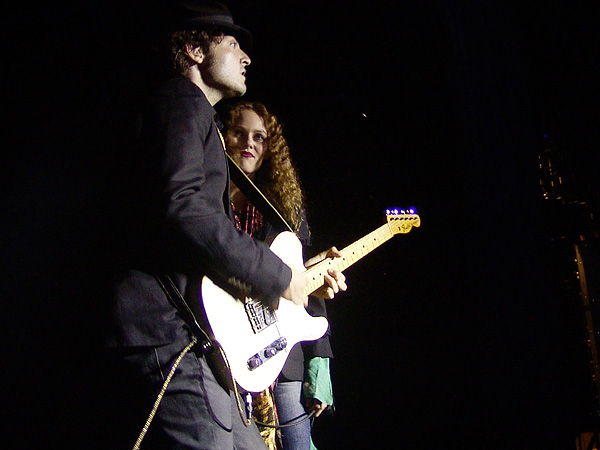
x=254 y=362
x=270 y=352
x=281 y=344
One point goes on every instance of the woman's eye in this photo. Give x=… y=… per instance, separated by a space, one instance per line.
x=259 y=138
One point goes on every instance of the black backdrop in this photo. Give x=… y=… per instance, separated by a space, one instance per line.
x=466 y=332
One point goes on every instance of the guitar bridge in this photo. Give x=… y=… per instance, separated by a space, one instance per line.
x=259 y=315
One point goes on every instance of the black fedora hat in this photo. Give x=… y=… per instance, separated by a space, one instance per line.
x=190 y=15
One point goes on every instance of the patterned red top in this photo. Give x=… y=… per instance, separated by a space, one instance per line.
x=249 y=219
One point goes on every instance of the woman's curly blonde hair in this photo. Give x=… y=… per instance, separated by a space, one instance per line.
x=277 y=177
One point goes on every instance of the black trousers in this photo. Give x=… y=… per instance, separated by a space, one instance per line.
x=195 y=411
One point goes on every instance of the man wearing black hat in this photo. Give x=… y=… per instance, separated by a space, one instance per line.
x=182 y=230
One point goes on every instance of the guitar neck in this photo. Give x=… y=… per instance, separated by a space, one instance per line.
x=350 y=255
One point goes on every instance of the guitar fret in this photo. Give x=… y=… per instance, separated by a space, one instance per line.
x=350 y=255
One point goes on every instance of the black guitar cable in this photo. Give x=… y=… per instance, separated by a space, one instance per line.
x=296 y=421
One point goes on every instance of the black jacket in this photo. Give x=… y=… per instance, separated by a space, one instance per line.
x=181 y=222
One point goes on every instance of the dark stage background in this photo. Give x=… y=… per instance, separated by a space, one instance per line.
x=465 y=333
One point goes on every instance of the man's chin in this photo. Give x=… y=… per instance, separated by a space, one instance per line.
x=236 y=92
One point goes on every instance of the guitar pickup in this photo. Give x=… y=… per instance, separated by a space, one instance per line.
x=260 y=316
x=266 y=353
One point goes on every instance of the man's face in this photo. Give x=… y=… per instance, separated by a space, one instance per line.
x=224 y=69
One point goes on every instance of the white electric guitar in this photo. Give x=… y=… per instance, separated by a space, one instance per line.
x=255 y=339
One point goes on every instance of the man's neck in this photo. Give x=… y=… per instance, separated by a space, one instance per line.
x=214 y=96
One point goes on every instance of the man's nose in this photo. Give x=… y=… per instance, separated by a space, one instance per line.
x=246 y=61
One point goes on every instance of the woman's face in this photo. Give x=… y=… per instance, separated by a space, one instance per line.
x=247 y=141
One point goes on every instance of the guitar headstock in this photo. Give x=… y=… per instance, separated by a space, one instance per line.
x=402 y=220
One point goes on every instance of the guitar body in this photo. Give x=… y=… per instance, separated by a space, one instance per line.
x=254 y=340
x=257 y=340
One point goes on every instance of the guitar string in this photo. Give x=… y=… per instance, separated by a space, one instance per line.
x=355 y=253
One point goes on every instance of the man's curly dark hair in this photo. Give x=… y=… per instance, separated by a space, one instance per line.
x=181 y=40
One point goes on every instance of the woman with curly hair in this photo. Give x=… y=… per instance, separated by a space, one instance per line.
x=254 y=138
x=265 y=159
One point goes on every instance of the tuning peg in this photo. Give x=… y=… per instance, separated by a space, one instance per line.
x=397 y=211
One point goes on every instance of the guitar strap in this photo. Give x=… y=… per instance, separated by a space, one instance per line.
x=174 y=295
x=257 y=198
x=212 y=350
x=207 y=345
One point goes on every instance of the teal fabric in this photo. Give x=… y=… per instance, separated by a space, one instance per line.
x=312 y=445
x=317 y=380
x=317 y=383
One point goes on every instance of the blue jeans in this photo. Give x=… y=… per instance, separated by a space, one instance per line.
x=290 y=409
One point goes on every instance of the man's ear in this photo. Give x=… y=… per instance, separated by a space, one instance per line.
x=194 y=53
